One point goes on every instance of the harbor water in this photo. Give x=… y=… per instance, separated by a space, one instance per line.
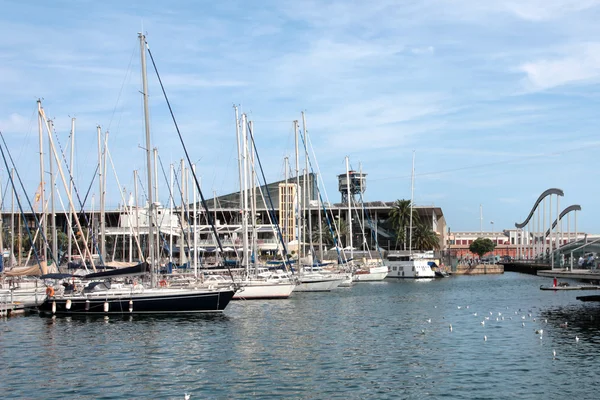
x=464 y=337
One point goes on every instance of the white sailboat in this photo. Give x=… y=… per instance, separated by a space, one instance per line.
x=253 y=285
x=411 y=265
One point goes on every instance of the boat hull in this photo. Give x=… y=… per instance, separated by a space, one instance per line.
x=264 y=291
x=415 y=269
x=374 y=274
x=153 y=301
x=317 y=284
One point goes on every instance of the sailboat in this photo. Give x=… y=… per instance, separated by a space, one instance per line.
x=254 y=284
x=102 y=296
x=311 y=278
x=409 y=265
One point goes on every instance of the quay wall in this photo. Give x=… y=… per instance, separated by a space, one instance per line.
x=479 y=269
x=526 y=267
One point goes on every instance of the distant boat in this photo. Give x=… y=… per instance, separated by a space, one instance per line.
x=408 y=266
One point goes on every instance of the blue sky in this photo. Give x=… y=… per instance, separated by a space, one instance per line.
x=498 y=99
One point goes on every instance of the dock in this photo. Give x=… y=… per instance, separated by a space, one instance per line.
x=564 y=273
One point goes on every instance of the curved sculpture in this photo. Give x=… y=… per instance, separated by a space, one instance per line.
x=564 y=212
x=548 y=192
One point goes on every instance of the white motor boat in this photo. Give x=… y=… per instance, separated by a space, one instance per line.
x=408 y=266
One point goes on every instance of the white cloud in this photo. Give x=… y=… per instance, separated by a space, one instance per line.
x=580 y=63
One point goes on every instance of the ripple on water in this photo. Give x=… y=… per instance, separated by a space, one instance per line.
x=372 y=341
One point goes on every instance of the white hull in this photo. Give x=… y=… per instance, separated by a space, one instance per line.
x=311 y=283
x=414 y=269
x=253 y=290
x=373 y=274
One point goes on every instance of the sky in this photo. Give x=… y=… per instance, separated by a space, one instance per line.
x=497 y=100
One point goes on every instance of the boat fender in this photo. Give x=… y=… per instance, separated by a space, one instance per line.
x=53 y=307
x=50 y=291
x=130 y=306
x=106 y=306
x=87 y=305
x=163 y=283
x=68 y=305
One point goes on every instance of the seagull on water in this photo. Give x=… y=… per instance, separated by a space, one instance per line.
x=553 y=353
x=187 y=396
x=523 y=324
x=576 y=339
x=450 y=327
x=482 y=322
x=484 y=338
x=475 y=314
x=429 y=320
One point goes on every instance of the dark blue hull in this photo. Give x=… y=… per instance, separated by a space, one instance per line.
x=167 y=303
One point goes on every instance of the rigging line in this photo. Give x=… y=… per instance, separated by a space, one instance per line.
x=272 y=207
x=336 y=236
x=184 y=210
x=204 y=204
x=492 y=164
x=171 y=198
x=4 y=192
x=37 y=258
x=81 y=204
x=122 y=86
x=129 y=217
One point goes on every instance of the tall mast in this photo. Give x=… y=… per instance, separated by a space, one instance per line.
x=194 y=219
x=12 y=218
x=286 y=203
x=158 y=221
x=42 y=197
x=412 y=192
x=71 y=169
x=307 y=185
x=298 y=201
x=349 y=207
x=253 y=205
x=171 y=200
x=100 y=194
x=52 y=209
x=148 y=160
x=244 y=190
x=137 y=210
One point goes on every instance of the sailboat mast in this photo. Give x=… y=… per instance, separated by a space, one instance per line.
x=42 y=197
x=148 y=160
x=298 y=202
x=253 y=205
x=412 y=192
x=70 y=230
x=100 y=194
x=12 y=219
x=52 y=209
x=194 y=226
x=244 y=189
x=349 y=207
x=137 y=210
x=307 y=185
x=171 y=200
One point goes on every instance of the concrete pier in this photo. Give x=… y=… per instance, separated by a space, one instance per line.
x=479 y=269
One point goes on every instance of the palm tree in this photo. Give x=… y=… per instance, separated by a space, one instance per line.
x=400 y=219
x=423 y=237
x=326 y=230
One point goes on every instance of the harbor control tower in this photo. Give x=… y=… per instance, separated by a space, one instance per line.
x=357 y=182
